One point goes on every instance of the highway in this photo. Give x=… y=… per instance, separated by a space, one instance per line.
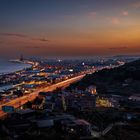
x=22 y=100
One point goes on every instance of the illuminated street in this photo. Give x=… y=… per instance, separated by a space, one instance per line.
x=22 y=100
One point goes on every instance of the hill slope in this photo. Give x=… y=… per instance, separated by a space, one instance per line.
x=124 y=80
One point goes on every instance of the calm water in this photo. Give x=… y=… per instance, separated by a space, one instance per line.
x=6 y=66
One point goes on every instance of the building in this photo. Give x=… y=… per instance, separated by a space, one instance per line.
x=92 y=90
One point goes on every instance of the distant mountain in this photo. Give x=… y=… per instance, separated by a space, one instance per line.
x=127 y=56
x=124 y=80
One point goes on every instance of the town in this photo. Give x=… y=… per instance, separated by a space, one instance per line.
x=45 y=73
x=43 y=102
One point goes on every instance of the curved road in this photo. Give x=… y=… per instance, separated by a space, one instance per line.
x=22 y=100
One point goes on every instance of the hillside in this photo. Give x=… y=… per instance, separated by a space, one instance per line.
x=124 y=80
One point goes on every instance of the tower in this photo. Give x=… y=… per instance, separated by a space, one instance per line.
x=21 y=57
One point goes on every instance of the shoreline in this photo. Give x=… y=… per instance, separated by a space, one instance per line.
x=20 y=67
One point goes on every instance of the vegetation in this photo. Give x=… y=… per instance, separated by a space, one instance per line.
x=122 y=80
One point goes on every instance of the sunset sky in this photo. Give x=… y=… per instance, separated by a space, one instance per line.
x=69 y=27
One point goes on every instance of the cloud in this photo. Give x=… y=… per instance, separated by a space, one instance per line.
x=13 y=34
x=24 y=36
x=41 y=39
x=114 y=20
x=117 y=19
x=92 y=14
x=32 y=47
x=125 y=13
x=116 y=48
x=136 y=4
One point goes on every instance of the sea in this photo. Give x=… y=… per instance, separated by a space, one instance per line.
x=6 y=66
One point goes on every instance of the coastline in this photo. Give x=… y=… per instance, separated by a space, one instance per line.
x=19 y=65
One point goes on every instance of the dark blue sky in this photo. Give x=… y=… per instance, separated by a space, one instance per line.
x=63 y=26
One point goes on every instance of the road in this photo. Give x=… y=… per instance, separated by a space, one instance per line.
x=22 y=100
